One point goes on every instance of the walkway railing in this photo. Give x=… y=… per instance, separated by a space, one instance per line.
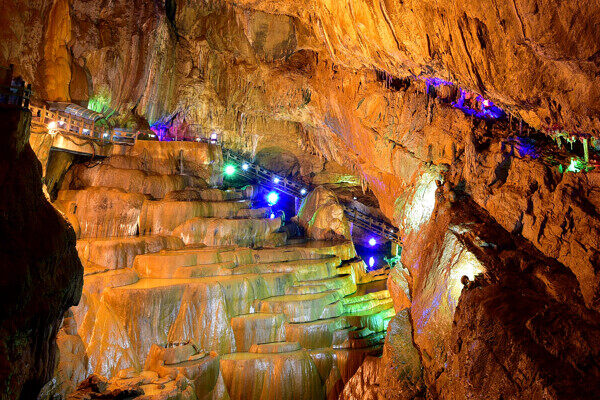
x=65 y=123
x=272 y=180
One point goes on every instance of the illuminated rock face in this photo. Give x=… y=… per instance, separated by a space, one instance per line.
x=321 y=85
x=196 y=294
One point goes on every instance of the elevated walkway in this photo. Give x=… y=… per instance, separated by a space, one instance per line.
x=272 y=180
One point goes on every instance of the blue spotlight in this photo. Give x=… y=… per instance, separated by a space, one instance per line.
x=272 y=216
x=245 y=166
x=302 y=191
x=371 y=262
x=276 y=180
x=372 y=242
x=272 y=198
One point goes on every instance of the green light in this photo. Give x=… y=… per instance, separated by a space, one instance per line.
x=229 y=170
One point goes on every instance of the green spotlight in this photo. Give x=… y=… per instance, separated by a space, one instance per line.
x=229 y=170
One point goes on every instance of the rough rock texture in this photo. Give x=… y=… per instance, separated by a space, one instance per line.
x=41 y=273
x=311 y=85
x=322 y=216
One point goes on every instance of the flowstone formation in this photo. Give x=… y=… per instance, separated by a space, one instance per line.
x=466 y=120
x=189 y=292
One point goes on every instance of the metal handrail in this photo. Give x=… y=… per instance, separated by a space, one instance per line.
x=366 y=221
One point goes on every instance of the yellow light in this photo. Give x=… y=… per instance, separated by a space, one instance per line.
x=52 y=125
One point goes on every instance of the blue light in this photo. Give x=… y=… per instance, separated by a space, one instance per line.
x=303 y=192
x=245 y=166
x=272 y=198
x=276 y=180
x=272 y=216
x=372 y=242
x=371 y=262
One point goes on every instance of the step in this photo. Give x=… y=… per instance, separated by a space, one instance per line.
x=358 y=269
x=223 y=231
x=102 y=212
x=343 y=284
x=116 y=253
x=257 y=328
x=308 y=250
x=375 y=319
x=161 y=217
x=358 y=339
x=301 y=269
x=204 y=270
x=95 y=283
x=303 y=307
x=211 y=194
x=368 y=291
x=364 y=306
x=153 y=265
x=275 y=347
x=314 y=334
x=130 y=180
x=283 y=376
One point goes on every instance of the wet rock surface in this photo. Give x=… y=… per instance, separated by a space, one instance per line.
x=172 y=308
x=338 y=94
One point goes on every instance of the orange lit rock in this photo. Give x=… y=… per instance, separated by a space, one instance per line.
x=241 y=232
x=323 y=217
x=285 y=375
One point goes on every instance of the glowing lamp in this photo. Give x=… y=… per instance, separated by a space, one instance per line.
x=52 y=125
x=272 y=216
x=354 y=198
x=371 y=262
x=229 y=170
x=302 y=191
x=372 y=242
x=276 y=180
x=245 y=166
x=272 y=198
x=213 y=136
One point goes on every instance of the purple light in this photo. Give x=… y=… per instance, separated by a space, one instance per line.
x=372 y=242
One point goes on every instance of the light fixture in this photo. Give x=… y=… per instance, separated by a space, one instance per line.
x=272 y=198
x=245 y=166
x=372 y=242
x=272 y=216
x=371 y=262
x=276 y=180
x=52 y=125
x=213 y=136
x=354 y=198
x=302 y=191
x=229 y=170
x=61 y=123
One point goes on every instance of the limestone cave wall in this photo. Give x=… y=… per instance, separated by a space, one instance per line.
x=342 y=87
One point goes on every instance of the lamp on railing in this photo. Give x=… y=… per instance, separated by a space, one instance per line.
x=52 y=128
